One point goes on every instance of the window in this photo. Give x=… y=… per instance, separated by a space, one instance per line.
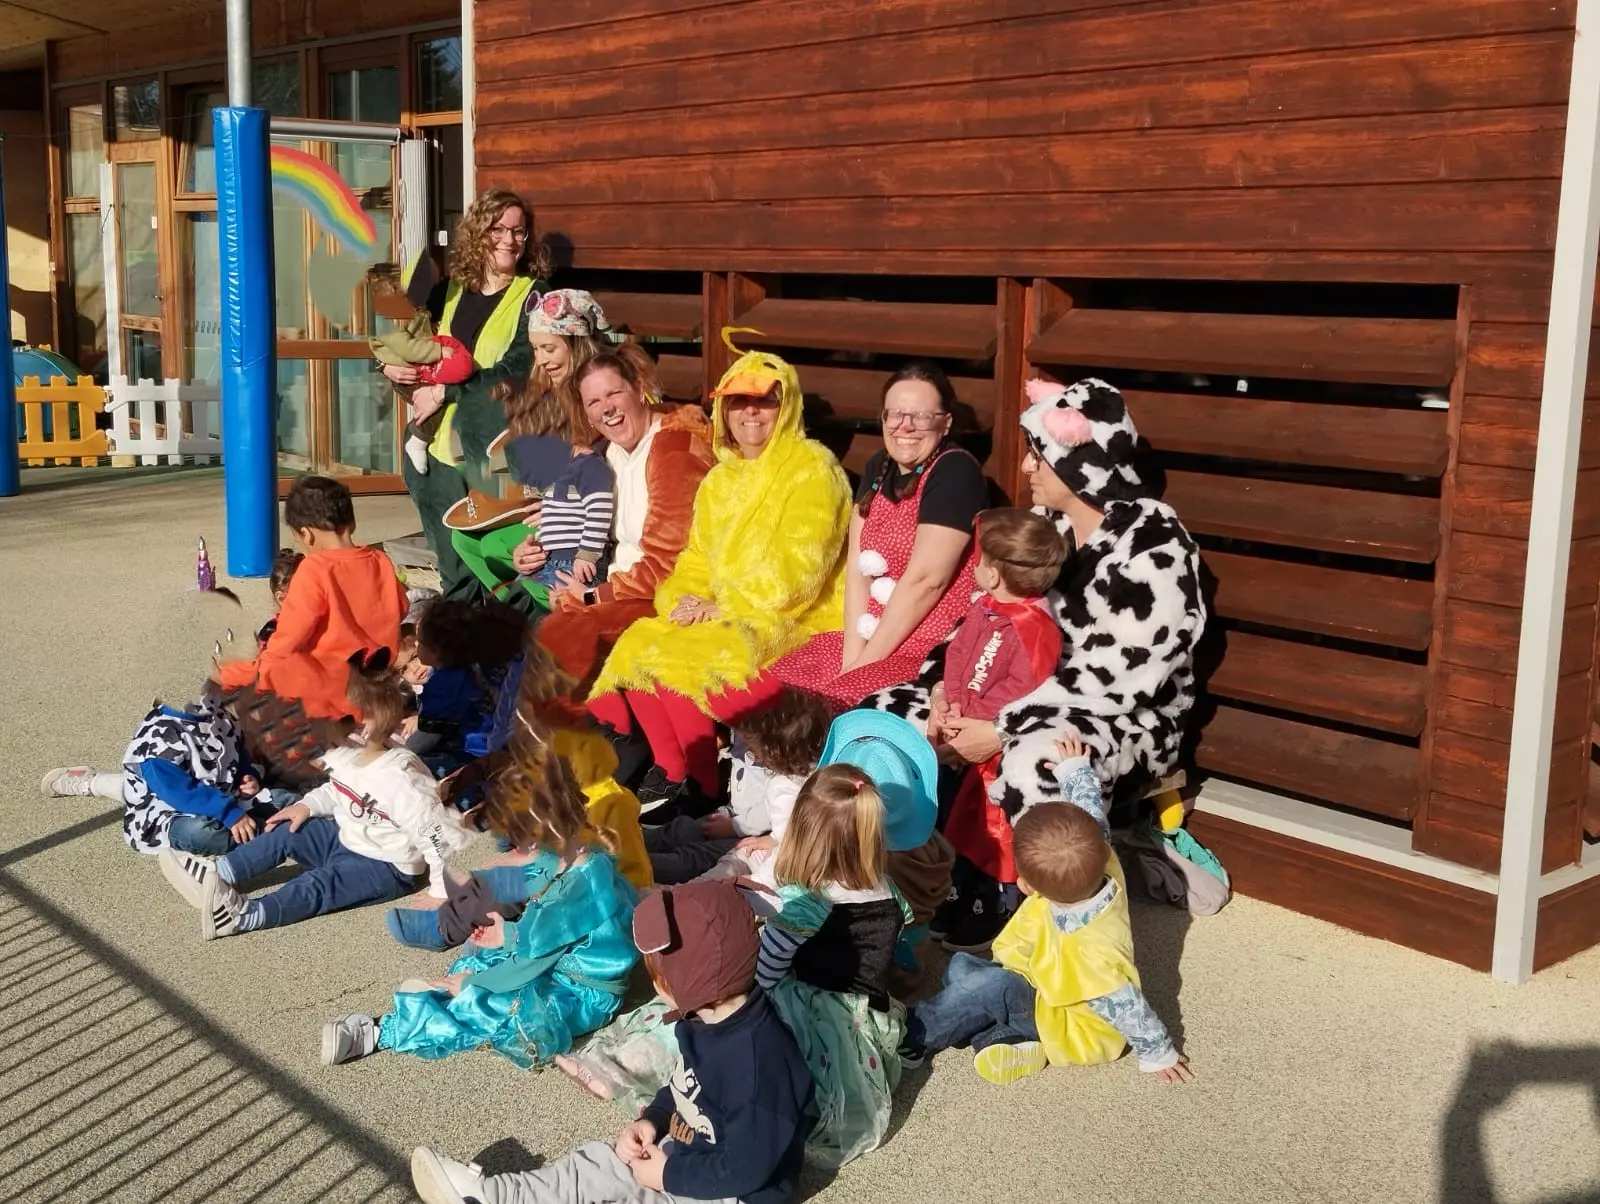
x=202 y=332
x=438 y=75
x=87 y=277
x=199 y=152
x=140 y=285
x=136 y=111
x=365 y=94
x=84 y=129
x=275 y=87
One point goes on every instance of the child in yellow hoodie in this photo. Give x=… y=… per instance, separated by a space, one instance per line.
x=1063 y=987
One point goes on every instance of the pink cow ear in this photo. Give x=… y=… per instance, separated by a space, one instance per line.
x=1067 y=426
x=1042 y=390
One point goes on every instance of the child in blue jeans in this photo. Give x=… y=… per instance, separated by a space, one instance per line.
x=374 y=832
x=1063 y=988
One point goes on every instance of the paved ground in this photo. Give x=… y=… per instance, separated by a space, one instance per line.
x=140 y=1064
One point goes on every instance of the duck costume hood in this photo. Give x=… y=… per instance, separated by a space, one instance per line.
x=765 y=546
x=1084 y=433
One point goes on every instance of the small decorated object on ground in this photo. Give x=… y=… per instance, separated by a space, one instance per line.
x=206 y=576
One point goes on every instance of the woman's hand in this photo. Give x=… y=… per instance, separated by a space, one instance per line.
x=975 y=740
x=294 y=815
x=425 y=401
x=691 y=610
x=528 y=557
x=402 y=374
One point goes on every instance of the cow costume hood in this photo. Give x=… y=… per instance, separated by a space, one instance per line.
x=1084 y=433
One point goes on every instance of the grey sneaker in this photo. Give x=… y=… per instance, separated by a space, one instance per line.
x=75 y=781
x=221 y=908
x=348 y=1038
x=441 y=1180
x=186 y=873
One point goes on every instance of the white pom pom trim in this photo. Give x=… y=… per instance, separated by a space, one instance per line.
x=872 y=563
x=866 y=625
x=882 y=588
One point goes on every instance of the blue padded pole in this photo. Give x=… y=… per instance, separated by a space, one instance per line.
x=10 y=464
x=249 y=339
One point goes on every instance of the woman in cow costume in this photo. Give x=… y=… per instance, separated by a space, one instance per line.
x=1128 y=602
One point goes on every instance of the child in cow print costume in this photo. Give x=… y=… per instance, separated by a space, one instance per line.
x=1128 y=603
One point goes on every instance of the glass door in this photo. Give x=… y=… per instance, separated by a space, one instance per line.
x=139 y=269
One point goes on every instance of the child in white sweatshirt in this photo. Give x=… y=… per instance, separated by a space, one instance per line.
x=375 y=831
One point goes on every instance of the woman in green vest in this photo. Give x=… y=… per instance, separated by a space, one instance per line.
x=497 y=265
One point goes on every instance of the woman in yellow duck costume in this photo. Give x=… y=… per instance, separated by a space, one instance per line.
x=760 y=575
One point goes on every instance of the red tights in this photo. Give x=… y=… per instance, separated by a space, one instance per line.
x=683 y=737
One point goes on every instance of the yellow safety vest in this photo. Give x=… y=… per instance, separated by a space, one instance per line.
x=493 y=340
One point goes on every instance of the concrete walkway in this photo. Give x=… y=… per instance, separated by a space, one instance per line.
x=140 y=1064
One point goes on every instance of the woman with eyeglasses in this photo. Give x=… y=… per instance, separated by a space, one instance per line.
x=908 y=574
x=498 y=262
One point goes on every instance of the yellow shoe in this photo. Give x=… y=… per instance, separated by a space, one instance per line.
x=1002 y=1064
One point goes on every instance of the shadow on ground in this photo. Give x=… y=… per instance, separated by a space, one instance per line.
x=113 y=1087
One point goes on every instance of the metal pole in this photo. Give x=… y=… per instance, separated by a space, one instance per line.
x=239 y=53
x=10 y=461
x=469 y=102
x=1566 y=362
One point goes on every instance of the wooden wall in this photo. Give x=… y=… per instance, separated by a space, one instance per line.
x=1043 y=142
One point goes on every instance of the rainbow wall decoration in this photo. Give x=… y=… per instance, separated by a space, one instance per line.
x=320 y=189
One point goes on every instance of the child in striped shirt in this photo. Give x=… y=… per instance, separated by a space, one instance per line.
x=576 y=511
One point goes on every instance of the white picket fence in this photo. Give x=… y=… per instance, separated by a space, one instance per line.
x=161 y=422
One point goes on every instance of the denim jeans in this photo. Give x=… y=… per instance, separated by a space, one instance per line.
x=982 y=1004
x=209 y=837
x=334 y=877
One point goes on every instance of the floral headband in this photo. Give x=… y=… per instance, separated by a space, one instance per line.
x=566 y=311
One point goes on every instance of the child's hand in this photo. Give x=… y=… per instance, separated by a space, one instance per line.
x=295 y=814
x=756 y=844
x=1070 y=746
x=717 y=826
x=492 y=935
x=1177 y=1074
x=243 y=830
x=408 y=728
x=249 y=786
x=452 y=983
x=582 y=571
x=634 y=1140
x=649 y=1168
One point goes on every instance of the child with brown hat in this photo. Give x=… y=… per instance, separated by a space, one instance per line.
x=732 y=1122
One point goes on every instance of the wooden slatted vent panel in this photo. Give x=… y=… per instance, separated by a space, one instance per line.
x=1304 y=450
x=663 y=311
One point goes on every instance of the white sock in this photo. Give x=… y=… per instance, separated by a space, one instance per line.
x=417 y=453
x=106 y=785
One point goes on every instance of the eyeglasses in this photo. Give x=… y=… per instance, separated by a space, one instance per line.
x=508 y=233
x=919 y=420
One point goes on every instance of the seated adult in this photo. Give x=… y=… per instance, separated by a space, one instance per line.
x=543 y=420
x=908 y=575
x=658 y=453
x=497 y=263
x=759 y=576
x=1128 y=602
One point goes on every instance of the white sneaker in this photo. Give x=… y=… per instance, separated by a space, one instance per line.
x=417 y=453
x=187 y=874
x=75 y=781
x=220 y=908
x=348 y=1038
x=441 y=1180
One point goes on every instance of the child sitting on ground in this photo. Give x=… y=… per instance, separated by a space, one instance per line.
x=537 y=692
x=825 y=962
x=1063 y=987
x=774 y=751
x=185 y=783
x=524 y=988
x=343 y=599
x=468 y=649
x=732 y=1120
x=1007 y=644
x=375 y=831
x=284 y=565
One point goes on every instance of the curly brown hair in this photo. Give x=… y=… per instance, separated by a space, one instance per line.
x=469 y=258
x=535 y=799
x=787 y=736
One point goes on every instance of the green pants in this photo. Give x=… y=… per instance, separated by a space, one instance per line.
x=488 y=557
x=434 y=492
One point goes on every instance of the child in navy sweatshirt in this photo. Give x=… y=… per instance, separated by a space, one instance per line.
x=733 y=1121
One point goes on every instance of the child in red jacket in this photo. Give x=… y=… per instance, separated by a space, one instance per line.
x=1007 y=644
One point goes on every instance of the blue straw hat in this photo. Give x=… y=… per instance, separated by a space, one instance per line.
x=900 y=762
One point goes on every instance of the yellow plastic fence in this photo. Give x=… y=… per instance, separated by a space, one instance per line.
x=50 y=416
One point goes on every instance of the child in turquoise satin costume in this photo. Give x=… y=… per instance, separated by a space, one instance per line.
x=526 y=988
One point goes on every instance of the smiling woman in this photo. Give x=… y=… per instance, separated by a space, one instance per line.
x=908 y=576
x=759 y=576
